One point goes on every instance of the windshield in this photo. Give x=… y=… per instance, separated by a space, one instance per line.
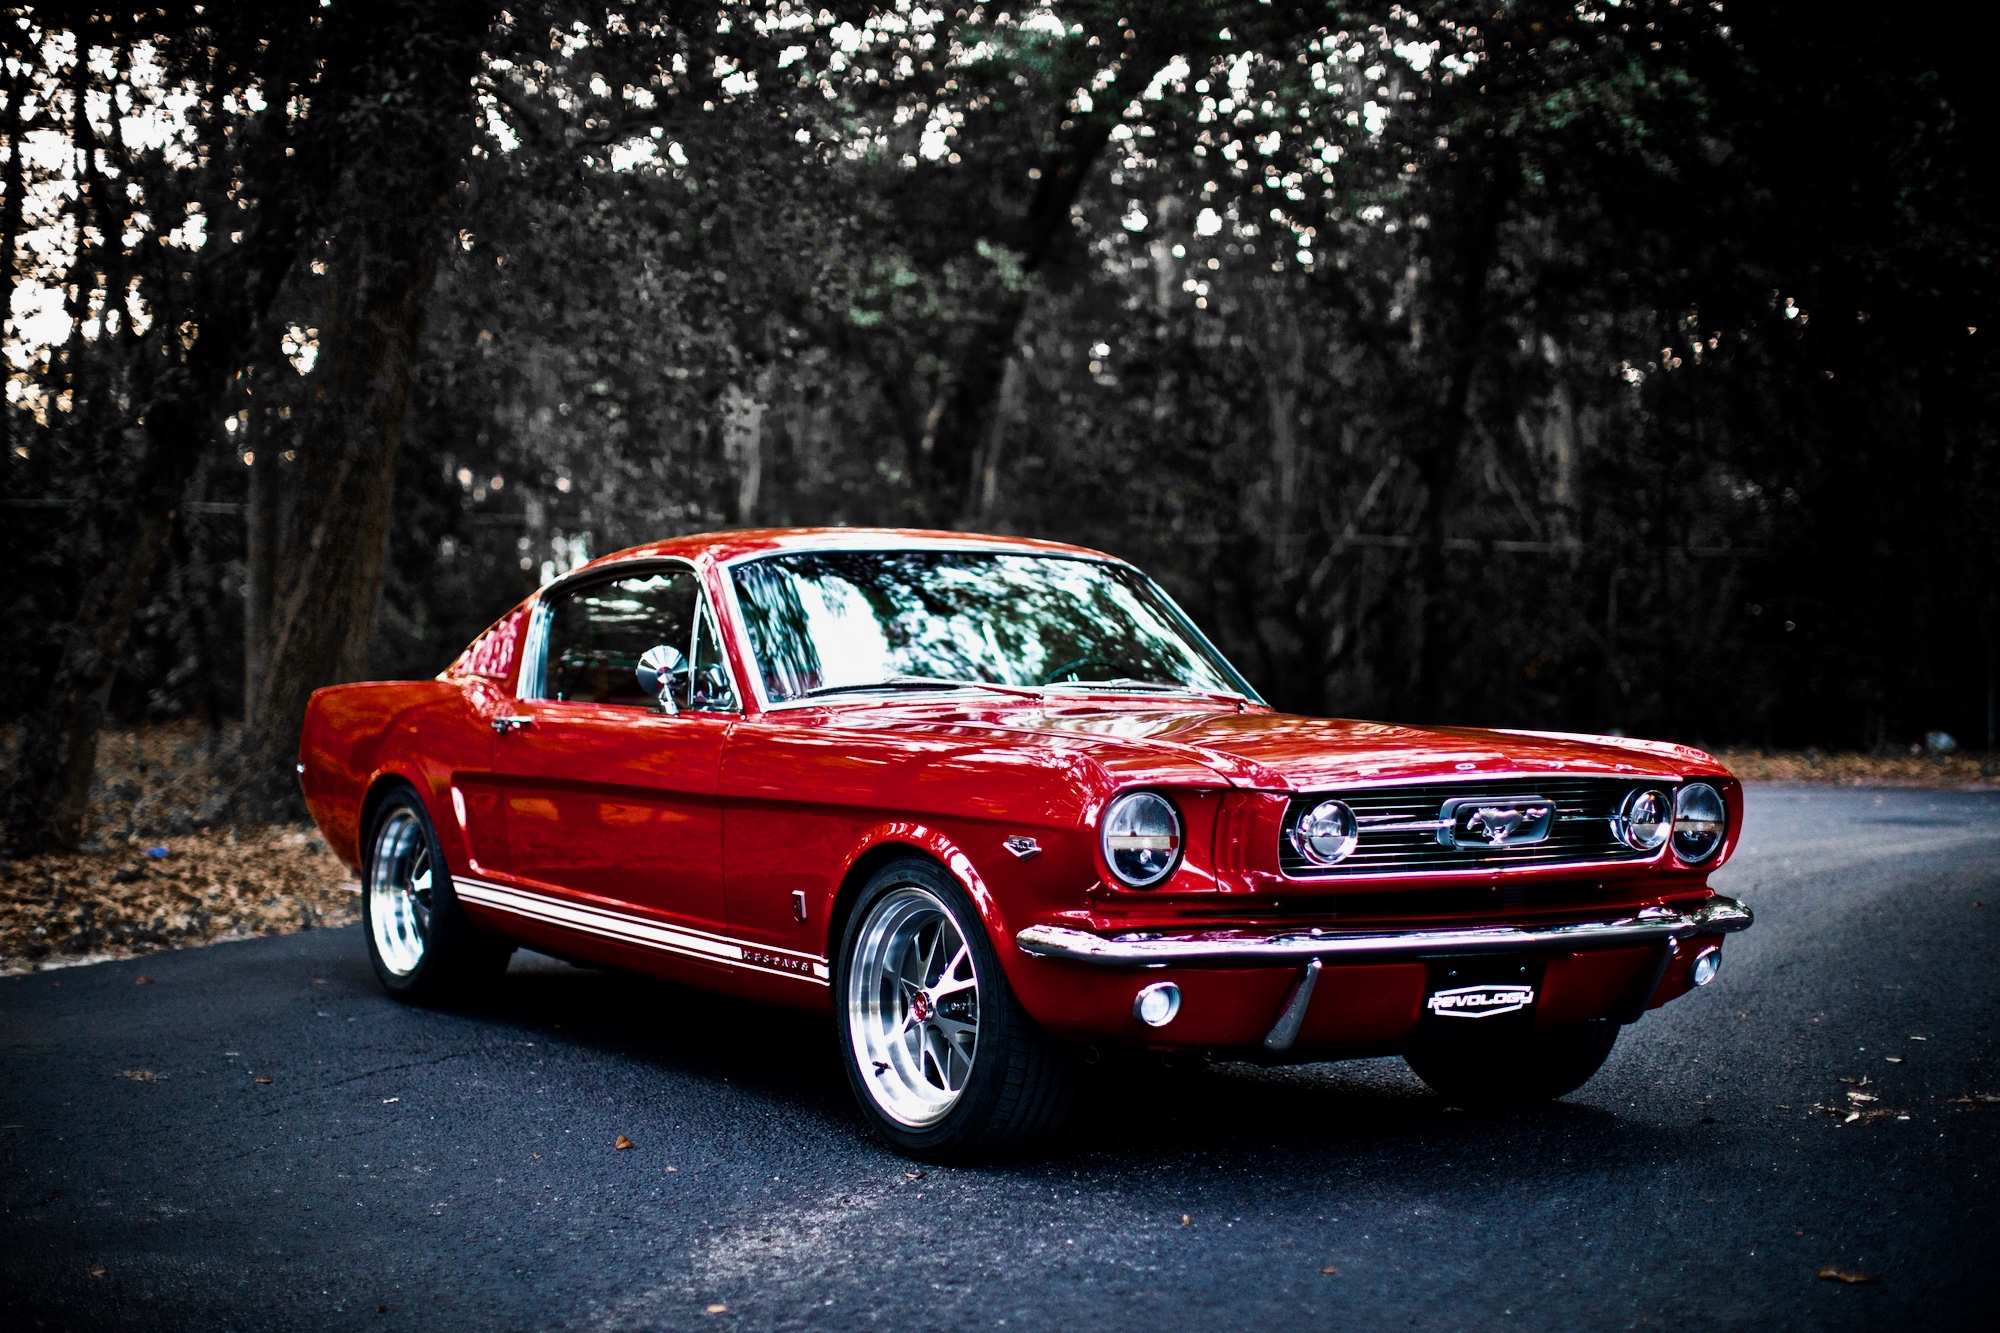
x=822 y=622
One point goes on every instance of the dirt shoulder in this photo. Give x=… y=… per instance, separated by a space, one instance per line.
x=200 y=888
x=1956 y=771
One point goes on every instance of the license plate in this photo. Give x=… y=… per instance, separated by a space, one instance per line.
x=1477 y=994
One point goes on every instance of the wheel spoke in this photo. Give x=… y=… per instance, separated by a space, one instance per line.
x=953 y=1031
x=913 y=1005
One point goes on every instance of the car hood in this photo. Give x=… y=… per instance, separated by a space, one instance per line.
x=1279 y=751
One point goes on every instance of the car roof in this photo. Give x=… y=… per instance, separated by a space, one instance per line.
x=724 y=546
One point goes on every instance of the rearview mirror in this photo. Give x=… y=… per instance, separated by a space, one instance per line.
x=655 y=671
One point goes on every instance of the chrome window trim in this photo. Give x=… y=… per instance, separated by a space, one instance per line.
x=726 y=570
x=534 y=660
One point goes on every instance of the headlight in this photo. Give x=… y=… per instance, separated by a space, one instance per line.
x=1700 y=819
x=1326 y=833
x=1142 y=838
x=1645 y=820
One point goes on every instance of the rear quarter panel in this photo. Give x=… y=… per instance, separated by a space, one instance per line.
x=421 y=732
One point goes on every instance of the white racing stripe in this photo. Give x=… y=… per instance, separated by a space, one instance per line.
x=628 y=929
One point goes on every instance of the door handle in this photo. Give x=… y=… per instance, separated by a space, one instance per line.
x=503 y=725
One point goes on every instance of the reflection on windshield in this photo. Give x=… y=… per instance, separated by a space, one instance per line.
x=824 y=621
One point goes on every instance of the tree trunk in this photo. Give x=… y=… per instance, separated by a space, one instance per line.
x=1467 y=319
x=959 y=421
x=146 y=466
x=328 y=582
x=260 y=549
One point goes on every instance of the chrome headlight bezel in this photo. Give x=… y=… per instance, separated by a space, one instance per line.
x=1630 y=819
x=1133 y=818
x=1698 y=833
x=1328 y=822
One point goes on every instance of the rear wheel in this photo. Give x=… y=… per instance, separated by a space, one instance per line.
x=1516 y=1071
x=941 y=1056
x=423 y=946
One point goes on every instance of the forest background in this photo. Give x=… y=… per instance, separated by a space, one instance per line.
x=1624 y=364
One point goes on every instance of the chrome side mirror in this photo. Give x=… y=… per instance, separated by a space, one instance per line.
x=655 y=671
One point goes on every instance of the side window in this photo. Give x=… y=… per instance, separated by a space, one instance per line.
x=598 y=633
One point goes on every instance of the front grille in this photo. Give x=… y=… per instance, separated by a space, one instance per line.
x=1582 y=832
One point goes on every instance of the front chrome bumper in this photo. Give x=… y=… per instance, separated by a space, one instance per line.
x=1652 y=925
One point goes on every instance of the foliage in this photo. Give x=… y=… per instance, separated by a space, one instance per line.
x=1581 y=365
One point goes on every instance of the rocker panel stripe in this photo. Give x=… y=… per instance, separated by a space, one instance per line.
x=627 y=929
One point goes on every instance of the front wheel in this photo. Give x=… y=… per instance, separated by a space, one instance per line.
x=1516 y=1071
x=941 y=1056
x=424 y=948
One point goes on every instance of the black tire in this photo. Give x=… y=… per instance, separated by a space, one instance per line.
x=1020 y=1082
x=424 y=948
x=1516 y=1071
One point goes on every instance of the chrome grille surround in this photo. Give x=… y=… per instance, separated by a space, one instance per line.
x=1399 y=827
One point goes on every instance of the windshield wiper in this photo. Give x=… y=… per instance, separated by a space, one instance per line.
x=919 y=683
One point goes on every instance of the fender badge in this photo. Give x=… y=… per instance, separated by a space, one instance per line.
x=1480 y=1001
x=1023 y=847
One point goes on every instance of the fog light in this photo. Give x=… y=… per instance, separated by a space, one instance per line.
x=1156 y=1005
x=1707 y=965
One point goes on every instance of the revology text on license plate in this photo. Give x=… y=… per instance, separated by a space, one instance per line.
x=1502 y=991
x=1486 y=1001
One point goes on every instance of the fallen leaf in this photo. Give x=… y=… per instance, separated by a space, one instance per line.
x=718 y=1308
x=1331 y=1272
x=387 y=1100
x=538 y=1157
x=97 y=1272
x=1893 y=1059
x=1920 y=1039
x=673 y=1168
x=143 y=981
x=1844 y=1275
x=1186 y=1220
x=1862 y=1097
x=321 y=981
x=1987 y=1097
x=621 y=1143
x=263 y=1080
x=1852 y=1116
x=142 y=1076
x=913 y=1175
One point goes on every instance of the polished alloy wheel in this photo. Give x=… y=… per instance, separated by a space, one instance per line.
x=399 y=892
x=913 y=1006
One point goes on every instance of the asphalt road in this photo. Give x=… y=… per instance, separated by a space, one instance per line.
x=294 y=1150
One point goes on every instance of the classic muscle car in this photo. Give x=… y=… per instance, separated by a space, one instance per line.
x=993 y=803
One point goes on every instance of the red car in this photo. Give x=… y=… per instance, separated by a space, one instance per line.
x=996 y=802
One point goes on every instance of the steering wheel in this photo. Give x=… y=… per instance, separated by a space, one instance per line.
x=1067 y=667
